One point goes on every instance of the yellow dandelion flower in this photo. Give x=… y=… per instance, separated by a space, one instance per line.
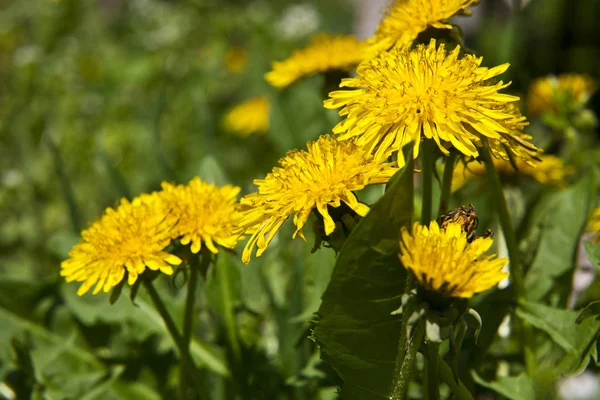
x=405 y=19
x=236 y=59
x=402 y=94
x=129 y=238
x=594 y=224
x=322 y=177
x=205 y=213
x=515 y=143
x=249 y=117
x=548 y=93
x=550 y=170
x=324 y=53
x=444 y=261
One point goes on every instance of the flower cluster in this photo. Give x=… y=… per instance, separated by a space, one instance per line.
x=135 y=235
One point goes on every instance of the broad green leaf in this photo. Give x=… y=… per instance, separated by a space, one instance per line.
x=562 y=215
x=592 y=250
x=355 y=330
x=576 y=339
x=591 y=310
x=513 y=387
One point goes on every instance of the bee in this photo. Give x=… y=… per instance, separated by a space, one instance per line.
x=467 y=218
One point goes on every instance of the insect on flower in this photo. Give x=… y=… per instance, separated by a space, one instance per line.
x=467 y=218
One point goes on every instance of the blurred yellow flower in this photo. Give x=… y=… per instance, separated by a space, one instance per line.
x=594 y=225
x=205 y=213
x=322 y=177
x=129 y=238
x=444 y=261
x=550 y=170
x=401 y=94
x=548 y=93
x=405 y=19
x=249 y=117
x=324 y=53
x=236 y=59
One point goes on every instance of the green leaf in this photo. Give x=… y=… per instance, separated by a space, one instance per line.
x=513 y=387
x=576 y=339
x=591 y=310
x=355 y=330
x=592 y=251
x=562 y=216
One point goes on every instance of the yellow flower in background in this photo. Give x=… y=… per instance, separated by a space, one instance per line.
x=444 y=261
x=205 y=213
x=405 y=19
x=550 y=170
x=130 y=238
x=236 y=59
x=324 y=176
x=548 y=93
x=324 y=53
x=403 y=94
x=249 y=117
x=594 y=225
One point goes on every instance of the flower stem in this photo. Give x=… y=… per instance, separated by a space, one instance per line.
x=188 y=318
x=403 y=378
x=457 y=387
x=516 y=273
x=190 y=369
x=427 y=164
x=447 y=182
x=433 y=371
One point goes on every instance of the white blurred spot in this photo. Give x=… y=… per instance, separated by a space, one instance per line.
x=581 y=387
x=504 y=328
x=298 y=20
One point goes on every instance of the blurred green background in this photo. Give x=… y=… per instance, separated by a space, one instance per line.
x=101 y=99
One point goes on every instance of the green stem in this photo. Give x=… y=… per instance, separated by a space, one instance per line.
x=433 y=370
x=403 y=379
x=447 y=182
x=191 y=371
x=459 y=389
x=427 y=165
x=188 y=319
x=516 y=273
x=455 y=346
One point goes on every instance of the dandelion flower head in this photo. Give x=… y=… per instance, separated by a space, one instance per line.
x=443 y=260
x=401 y=94
x=249 y=117
x=548 y=93
x=130 y=238
x=550 y=170
x=324 y=53
x=323 y=176
x=406 y=19
x=206 y=214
